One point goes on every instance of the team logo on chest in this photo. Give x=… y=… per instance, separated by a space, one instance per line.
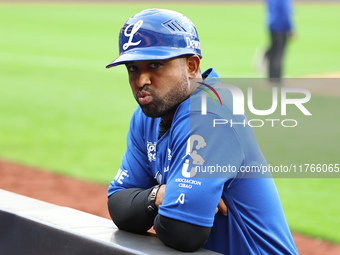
x=169 y=154
x=151 y=148
x=130 y=35
x=192 y=152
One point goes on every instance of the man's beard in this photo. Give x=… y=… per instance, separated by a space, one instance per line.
x=160 y=107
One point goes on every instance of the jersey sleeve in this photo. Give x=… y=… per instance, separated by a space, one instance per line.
x=199 y=169
x=134 y=171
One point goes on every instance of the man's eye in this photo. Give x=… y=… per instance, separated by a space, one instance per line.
x=131 y=68
x=155 y=64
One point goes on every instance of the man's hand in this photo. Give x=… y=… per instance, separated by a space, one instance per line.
x=160 y=195
x=222 y=207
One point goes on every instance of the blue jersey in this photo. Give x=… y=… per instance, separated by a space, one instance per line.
x=279 y=15
x=187 y=158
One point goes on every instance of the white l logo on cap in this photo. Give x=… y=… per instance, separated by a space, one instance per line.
x=131 y=34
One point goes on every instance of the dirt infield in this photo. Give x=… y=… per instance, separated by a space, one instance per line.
x=328 y=75
x=91 y=198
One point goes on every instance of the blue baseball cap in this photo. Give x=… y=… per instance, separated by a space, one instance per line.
x=156 y=34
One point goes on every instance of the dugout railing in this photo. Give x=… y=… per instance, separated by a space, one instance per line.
x=29 y=226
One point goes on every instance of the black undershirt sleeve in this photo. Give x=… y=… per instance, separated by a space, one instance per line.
x=180 y=235
x=128 y=210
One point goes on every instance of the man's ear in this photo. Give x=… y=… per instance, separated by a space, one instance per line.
x=193 y=66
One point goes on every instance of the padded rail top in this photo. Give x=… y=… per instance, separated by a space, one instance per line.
x=30 y=226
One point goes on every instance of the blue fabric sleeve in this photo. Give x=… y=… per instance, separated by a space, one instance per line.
x=134 y=171
x=195 y=199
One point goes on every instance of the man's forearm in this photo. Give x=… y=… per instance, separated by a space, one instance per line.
x=128 y=210
x=180 y=235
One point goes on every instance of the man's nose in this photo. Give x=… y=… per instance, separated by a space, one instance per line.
x=143 y=79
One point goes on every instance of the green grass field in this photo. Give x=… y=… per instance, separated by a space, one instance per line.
x=61 y=110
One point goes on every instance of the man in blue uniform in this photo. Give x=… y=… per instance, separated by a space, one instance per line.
x=280 y=25
x=179 y=173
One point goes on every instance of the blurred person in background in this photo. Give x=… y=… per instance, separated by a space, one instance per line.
x=280 y=26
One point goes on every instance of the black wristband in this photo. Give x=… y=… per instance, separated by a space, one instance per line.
x=151 y=207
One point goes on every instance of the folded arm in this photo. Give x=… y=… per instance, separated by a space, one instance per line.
x=129 y=211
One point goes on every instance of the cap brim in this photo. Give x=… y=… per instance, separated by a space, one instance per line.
x=149 y=53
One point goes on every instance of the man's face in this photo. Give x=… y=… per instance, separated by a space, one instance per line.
x=159 y=86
